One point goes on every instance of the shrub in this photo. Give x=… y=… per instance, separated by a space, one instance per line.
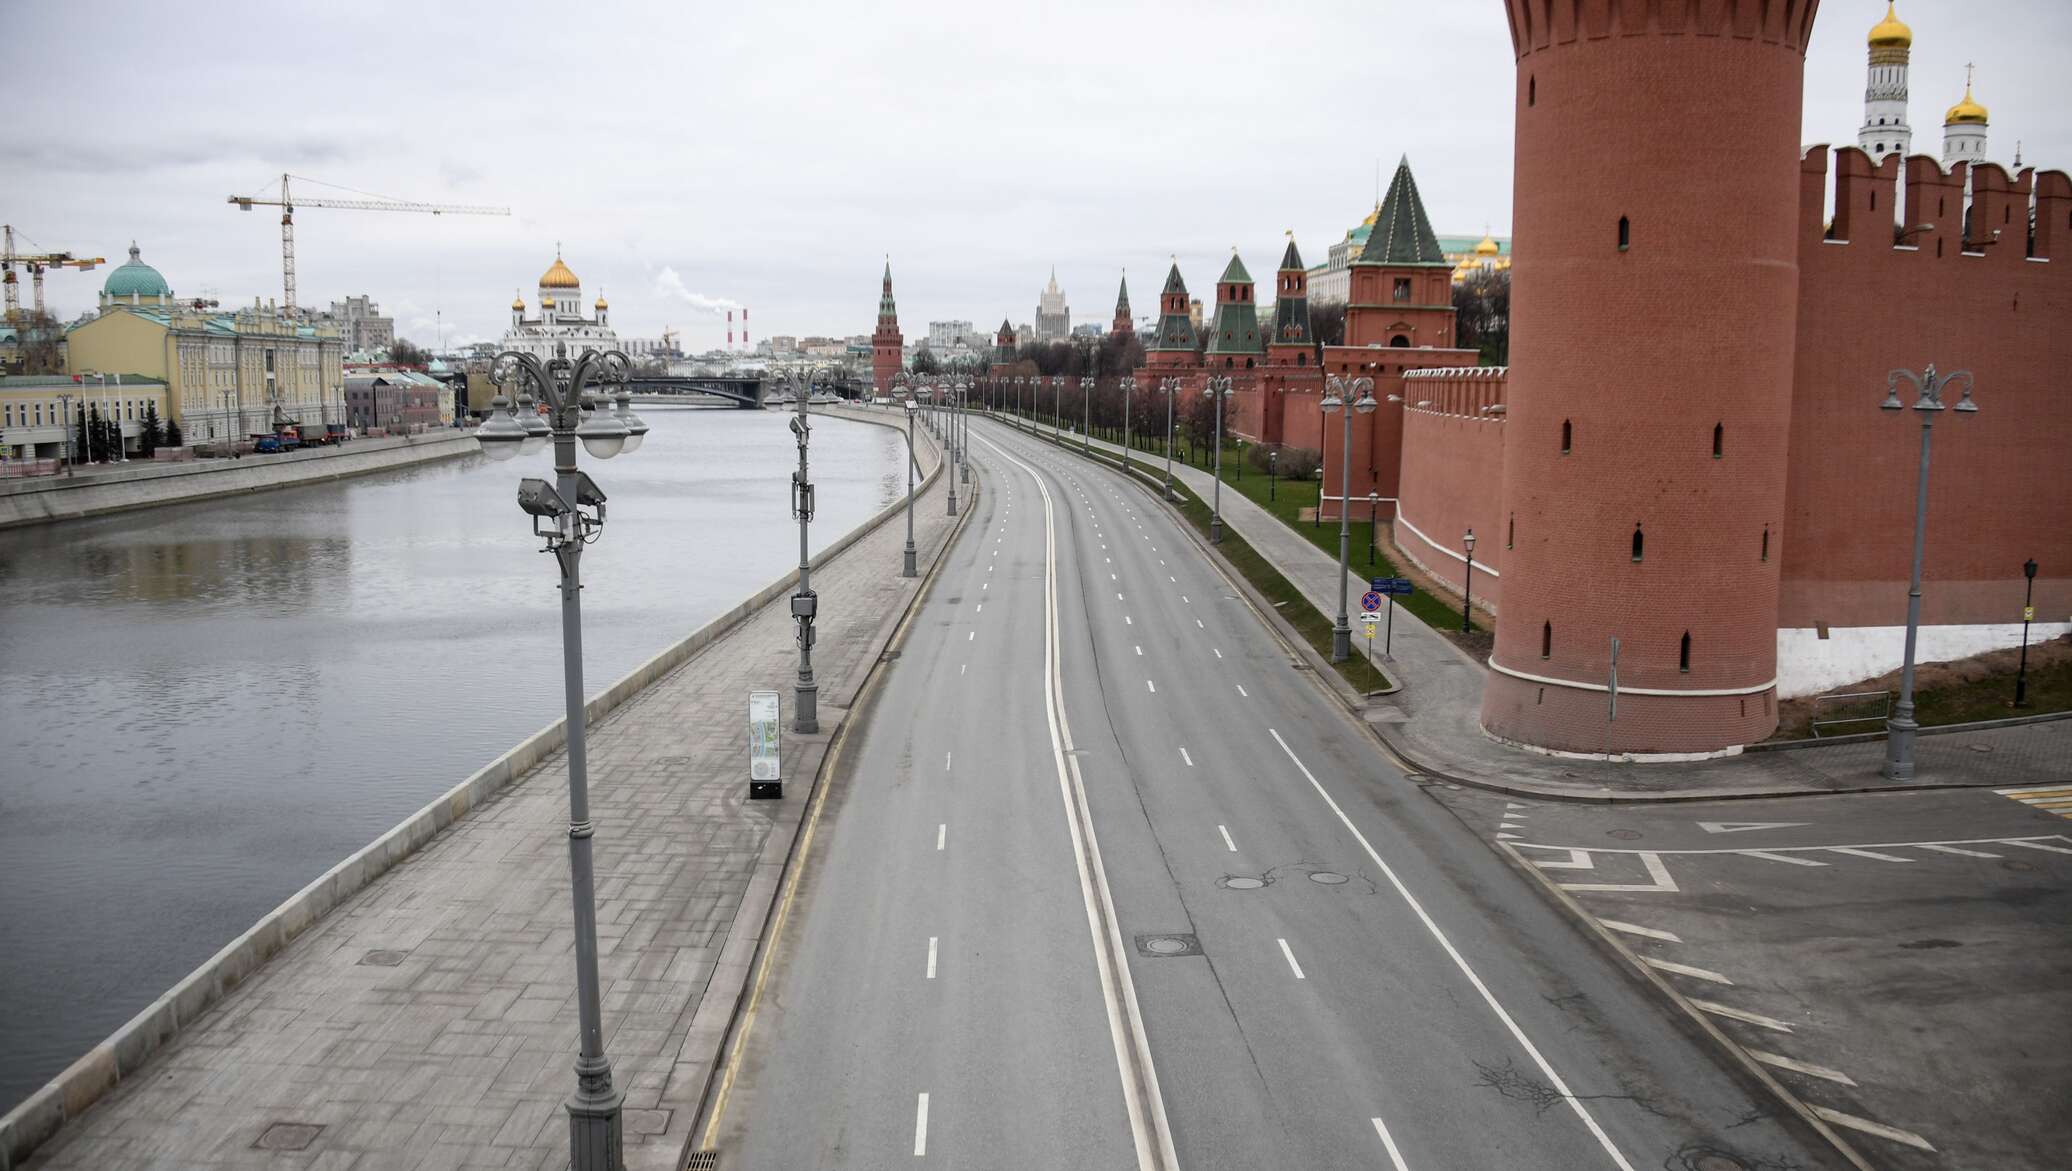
x=1301 y=463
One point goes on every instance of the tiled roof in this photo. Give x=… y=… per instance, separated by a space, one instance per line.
x=1402 y=232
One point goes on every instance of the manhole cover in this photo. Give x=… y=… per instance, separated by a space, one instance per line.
x=1717 y=1163
x=1980 y=747
x=1240 y=882
x=1161 y=946
x=288 y=1136
x=1327 y=878
x=2017 y=865
x=383 y=959
x=675 y=761
x=1624 y=835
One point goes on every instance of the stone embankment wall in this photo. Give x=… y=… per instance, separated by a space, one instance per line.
x=66 y=1096
x=47 y=499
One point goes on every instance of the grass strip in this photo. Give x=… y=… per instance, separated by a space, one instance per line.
x=1280 y=593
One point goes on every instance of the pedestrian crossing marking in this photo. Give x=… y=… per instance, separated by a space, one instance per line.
x=2049 y=798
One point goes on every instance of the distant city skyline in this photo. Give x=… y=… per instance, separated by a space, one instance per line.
x=749 y=191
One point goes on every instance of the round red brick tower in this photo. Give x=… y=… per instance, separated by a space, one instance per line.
x=1654 y=299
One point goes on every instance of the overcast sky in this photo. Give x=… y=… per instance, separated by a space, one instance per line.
x=771 y=154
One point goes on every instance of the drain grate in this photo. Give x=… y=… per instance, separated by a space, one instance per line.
x=383 y=959
x=703 y=1161
x=288 y=1136
x=1240 y=882
x=1327 y=878
x=1165 y=946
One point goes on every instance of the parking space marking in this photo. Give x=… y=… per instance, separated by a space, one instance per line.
x=1767 y=856
x=1643 y=932
x=1873 y=855
x=1877 y=1128
x=1739 y=1014
x=1807 y=1068
x=1686 y=970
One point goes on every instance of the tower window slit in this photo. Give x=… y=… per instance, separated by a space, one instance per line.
x=1874 y=195
x=1766 y=542
x=1683 y=654
x=1532 y=91
x=1719 y=436
x=1511 y=533
x=1567 y=434
x=1625 y=233
x=1638 y=543
x=1546 y=640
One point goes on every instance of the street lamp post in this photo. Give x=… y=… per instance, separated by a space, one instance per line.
x=1334 y=401
x=963 y=433
x=1086 y=415
x=1273 y=473
x=1217 y=388
x=65 y=410
x=1467 y=596
x=1900 y=728
x=2021 y=675
x=1129 y=386
x=1171 y=386
x=1373 y=524
x=937 y=396
x=559 y=516
x=908 y=560
x=805 y=604
x=1057 y=408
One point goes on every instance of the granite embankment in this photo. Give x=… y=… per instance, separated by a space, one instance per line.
x=122 y=488
x=382 y=998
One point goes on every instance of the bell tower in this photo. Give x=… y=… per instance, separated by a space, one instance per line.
x=1885 y=130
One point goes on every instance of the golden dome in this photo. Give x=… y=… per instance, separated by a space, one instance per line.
x=601 y=306
x=517 y=304
x=559 y=277
x=1488 y=246
x=1966 y=112
x=1891 y=32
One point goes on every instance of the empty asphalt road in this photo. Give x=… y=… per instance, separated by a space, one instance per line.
x=1104 y=879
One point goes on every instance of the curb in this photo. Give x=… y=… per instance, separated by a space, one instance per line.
x=125 y=1052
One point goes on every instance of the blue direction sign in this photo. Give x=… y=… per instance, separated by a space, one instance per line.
x=1397 y=586
x=1370 y=601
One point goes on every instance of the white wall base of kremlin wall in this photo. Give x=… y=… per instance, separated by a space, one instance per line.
x=1808 y=664
x=56 y=498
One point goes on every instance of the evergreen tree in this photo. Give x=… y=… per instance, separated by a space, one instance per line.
x=82 y=447
x=152 y=432
x=173 y=438
x=96 y=435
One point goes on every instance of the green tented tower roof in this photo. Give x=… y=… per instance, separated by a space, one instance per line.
x=1402 y=232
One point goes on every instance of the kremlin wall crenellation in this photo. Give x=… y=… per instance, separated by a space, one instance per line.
x=1687 y=451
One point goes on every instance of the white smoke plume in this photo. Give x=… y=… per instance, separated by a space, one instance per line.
x=669 y=286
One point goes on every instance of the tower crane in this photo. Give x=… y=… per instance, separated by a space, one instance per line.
x=35 y=262
x=288 y=203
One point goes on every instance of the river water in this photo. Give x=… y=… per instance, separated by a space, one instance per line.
x=205 y=706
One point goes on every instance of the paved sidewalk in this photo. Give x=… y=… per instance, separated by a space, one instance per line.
x=1434 y=721
x=430 y=1021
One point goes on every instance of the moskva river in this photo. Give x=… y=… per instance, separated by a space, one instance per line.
x=205 y=706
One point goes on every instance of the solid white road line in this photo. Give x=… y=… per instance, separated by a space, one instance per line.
x=1807 y=1068
x=1225 y=831
x=1738 y=1014
x=1395 y=1156
x=1685 y=970
x=942 y=834
x=931 y=957
x=1644 y=932
x=1143 y=1102
x=1291 y=960
x=921 y=1127
x=2028 y=844
x=1459 y=961
x=1877 y=1128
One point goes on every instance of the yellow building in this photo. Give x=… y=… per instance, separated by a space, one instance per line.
x=227 y=374
x=39 y=411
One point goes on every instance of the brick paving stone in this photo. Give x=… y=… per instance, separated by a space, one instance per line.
x=461 y=1055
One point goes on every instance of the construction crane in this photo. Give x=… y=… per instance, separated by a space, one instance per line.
x=288 y=203
x=35 y=262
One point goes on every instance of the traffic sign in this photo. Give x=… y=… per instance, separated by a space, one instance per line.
x=1370 y=601
x=2028 y=613
x=1397 y=586
x=1370 y=621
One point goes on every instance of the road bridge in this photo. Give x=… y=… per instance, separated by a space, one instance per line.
x=745 y=391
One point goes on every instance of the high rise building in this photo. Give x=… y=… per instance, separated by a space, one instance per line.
x=361 y=327
x=1053 y=316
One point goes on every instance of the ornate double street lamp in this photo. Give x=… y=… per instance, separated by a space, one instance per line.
x=908 y=556
x=2021 y=675
x=1129 y=386
x=559 y=515
x=805 y=604
x=1900 y=728
x=1171 y=386
x=1218 y=387
x=1273 y=473
x=1086 y=415
x=1336 y=393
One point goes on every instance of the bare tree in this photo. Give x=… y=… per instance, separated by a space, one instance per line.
x=1482 y=316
